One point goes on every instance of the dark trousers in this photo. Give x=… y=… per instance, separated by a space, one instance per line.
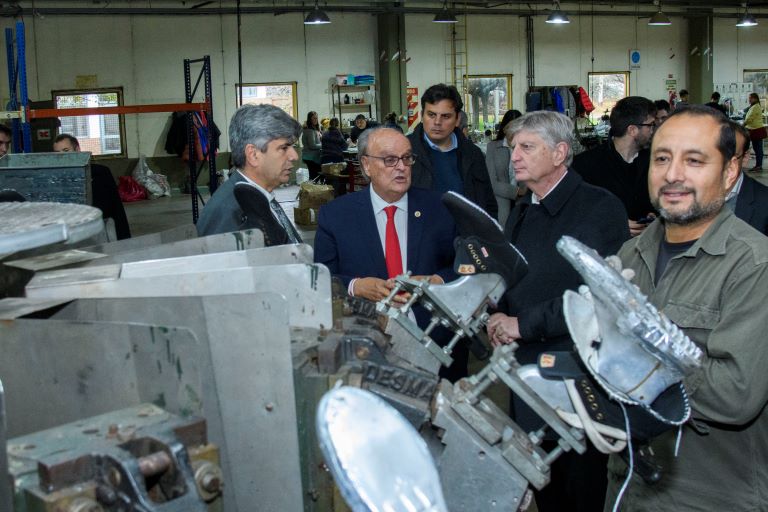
x=578 y=482
x=757 y=146
x=314 y=169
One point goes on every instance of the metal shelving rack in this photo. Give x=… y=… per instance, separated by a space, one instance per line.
x=340 y=108
x=18 y=107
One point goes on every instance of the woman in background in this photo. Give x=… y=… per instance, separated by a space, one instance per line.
x=390 y=121
x=333 y=144
x=311 y=146
x=753 y=122
x=498 y=159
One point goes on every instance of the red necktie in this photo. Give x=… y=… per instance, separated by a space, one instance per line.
x=392 y=245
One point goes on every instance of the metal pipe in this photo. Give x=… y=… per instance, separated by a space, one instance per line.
x=697 y=11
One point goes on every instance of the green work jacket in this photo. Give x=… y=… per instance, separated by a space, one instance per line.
x=717 y=291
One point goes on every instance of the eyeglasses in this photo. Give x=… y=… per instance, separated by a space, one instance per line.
x=391 y=161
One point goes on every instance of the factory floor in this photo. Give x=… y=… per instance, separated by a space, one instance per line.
x=154 y=215
x=164 y=213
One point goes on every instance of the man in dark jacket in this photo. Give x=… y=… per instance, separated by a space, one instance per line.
x=748 y=198
x=446 y=159
x=558 y=203
x=621 y=164
x=104 y=192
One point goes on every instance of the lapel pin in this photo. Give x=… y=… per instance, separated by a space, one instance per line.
x=417 y=214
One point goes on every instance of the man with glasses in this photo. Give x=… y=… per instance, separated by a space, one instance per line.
x=369 y=237
x=620 y=165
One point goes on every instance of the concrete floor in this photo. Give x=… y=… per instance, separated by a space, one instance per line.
x=154 y=215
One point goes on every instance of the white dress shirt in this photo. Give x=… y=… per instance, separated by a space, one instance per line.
x=401 y=225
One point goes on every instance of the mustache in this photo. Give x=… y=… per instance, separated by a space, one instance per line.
x=675 y=188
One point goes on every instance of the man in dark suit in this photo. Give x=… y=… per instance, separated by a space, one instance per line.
x=103 y=188
x=261 y=139
x=748 y=198
x=371 y=236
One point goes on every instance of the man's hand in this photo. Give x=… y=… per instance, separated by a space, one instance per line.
x=638 y=226
x=375 y=289
x=433 y=279
x=503 y=329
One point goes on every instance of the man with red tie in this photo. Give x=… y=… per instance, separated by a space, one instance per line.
x=369 y=237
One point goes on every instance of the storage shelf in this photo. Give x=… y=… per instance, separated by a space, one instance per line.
x=354 y=88
x=340 y=108
x=353 y=106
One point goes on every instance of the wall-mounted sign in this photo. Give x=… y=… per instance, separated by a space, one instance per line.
x=634 y=59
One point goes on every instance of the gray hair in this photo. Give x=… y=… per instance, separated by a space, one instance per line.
x=259 y=125
x=364 y=139
x=553 y=127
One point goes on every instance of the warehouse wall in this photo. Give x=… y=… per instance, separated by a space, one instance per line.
x=144 y=55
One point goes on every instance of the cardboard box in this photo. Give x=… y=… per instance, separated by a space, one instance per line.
x=314 y=196
x=305 y=216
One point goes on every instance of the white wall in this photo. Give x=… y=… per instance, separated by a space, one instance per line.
x=144 y=55
x=737 y=49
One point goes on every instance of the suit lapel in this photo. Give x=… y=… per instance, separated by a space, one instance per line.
x=745 y=200
x=416 y=219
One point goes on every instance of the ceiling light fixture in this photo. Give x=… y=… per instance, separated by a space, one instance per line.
x=747 y=20
x=557 y=17
x=317 y=17
x=445 y=16
x=659 y=19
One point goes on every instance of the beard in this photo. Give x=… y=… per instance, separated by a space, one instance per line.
x=695 y=213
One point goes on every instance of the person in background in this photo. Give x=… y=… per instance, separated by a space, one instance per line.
x=361 y=124
x=714 y=102
x=104 y=194
x=747 y=198
x=464 y=123
x=499 y=163
x=683 y=99
x=6 y=136
x=445 y=159
x=333 y=144
x=390 y=121
x=310 y=144
x=620 y=165
x=663 y=110
x=753 y=122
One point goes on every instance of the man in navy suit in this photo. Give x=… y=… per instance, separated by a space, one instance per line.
x=748 y=198
x=366 y=243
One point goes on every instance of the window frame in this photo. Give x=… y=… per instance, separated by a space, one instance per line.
x=292 y=84
x=121 y=117
x=590 y=74
x=468 y=97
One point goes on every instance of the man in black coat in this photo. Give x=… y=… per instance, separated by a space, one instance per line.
x=445 y=158
x=103 y=188
x=558 y=203
x=620 y=165
x=748 y=198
